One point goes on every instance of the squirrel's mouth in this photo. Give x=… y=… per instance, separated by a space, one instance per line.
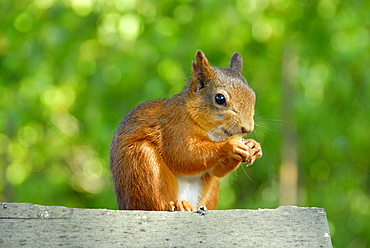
x=227 y=133
x=220 y=134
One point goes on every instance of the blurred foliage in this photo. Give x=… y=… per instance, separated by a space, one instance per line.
x=71 y=70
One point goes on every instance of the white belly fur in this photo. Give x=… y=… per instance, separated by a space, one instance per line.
x=190 y=188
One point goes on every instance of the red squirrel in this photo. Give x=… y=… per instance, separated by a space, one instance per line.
x=168 y=154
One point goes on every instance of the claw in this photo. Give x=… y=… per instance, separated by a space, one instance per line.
x=254 y=149
x=181 y=205
x=172 y=206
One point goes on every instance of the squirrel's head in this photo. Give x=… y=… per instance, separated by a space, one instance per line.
x=220 y=100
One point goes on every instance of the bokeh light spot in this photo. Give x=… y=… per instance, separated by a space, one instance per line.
x=326 y=9
x=44 y=4
x=82 y=7
x=129 y=27
x=23 y=22
x=261 y=31
x=16 y=173
x=183 y=13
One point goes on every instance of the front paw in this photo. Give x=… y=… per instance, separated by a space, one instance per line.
x=181 y=205
x=254 y=150
x=236 y=149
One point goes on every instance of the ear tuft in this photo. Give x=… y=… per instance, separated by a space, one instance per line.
x=201 y=66
x=236 y=63
x=201 y=71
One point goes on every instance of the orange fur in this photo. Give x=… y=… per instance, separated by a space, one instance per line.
x=186 y=135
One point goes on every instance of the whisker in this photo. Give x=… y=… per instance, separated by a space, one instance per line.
x=265 y=127
x=245 y=172
x=267 y=112
x=268 y=120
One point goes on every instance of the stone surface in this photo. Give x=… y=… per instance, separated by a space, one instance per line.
x=47 y=226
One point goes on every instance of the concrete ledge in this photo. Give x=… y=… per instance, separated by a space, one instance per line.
x=47 y=226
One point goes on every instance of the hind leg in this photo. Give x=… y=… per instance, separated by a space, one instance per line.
x=210 y=188
x=142 y=179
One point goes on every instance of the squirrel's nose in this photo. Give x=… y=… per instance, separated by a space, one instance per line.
x=247 y=128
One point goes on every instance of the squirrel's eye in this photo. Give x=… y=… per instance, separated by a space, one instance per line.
x=220 y=99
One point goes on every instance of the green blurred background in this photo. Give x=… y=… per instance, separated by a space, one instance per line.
x=70 y=70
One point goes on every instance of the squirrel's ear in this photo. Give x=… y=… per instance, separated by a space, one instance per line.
x=237 y=63
x=201 y=70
